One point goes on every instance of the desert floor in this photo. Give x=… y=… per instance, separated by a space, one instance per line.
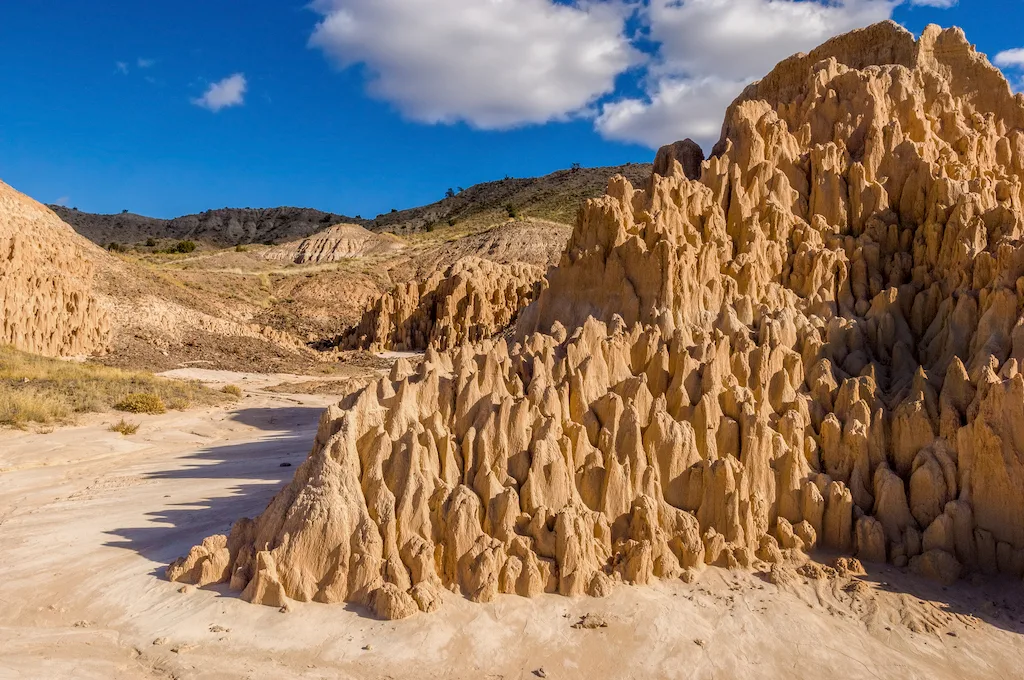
x=89 y=520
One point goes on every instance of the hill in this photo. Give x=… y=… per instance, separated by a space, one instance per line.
x=554 y=197
x=339 y=242
x=219 y=228
x=48 y=303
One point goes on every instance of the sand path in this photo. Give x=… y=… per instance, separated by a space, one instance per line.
x=89 y=520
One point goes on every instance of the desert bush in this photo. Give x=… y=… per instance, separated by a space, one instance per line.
x=184 y=247
x=511 y=210
x=142 y=402
x=124 y=427
x=233 y=390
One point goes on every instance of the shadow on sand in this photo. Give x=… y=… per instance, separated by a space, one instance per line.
x=264 y=467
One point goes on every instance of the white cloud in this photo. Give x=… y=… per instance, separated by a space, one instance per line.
x=228 y=92
x=121 y=67
x=145 y=63
x=672 y=110
x=708 y=50
x=490 y=63
x=63 y=200
x=505 y=63
x=1010 y=58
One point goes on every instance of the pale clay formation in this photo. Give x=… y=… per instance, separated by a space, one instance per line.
x=47 y=302
x=336 y=243
x=816 y=343
x=469 y=301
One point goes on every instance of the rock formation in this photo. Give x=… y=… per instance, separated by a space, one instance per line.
x=687 y=153
x=469 y=301
x=816 y=343
x=340 y=242
x=47 y=304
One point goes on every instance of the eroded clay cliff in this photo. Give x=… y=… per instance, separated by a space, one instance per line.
x=47 y=305
x=471 y=300
x=340 y=242
x=816 y=343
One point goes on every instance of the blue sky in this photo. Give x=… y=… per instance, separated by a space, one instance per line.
x=359 y=106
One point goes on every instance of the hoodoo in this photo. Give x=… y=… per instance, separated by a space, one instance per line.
x=816 y=342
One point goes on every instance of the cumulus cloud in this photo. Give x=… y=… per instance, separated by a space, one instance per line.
x=492 y=64
x=673 y=109
x=504 y=63
x=227 y=92
x=1010 y=58
x=708 y=50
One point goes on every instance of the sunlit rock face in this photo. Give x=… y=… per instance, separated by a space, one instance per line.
x=816 y=342
x=47 y=302
x=469 y=301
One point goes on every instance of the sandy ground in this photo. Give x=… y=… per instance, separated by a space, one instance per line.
x=89 y=520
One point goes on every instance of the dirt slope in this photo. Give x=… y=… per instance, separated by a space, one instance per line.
x=339 y=242
x=47 y=298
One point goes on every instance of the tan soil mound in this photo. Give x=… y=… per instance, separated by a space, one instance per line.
x=340 y=242
x=530 y=241
x=47 y=304
x=818 y=342
x=468 y=302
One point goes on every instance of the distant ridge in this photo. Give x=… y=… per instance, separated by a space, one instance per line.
x=555 y=197
x=221 y=228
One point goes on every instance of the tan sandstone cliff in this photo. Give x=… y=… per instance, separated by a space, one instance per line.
x=47 y=305
x=816 y=343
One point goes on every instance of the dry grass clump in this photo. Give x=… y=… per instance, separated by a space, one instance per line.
x=35 y=389
x=124 y=427
x=142 y=402
x=25 y=406
x=232 y=390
